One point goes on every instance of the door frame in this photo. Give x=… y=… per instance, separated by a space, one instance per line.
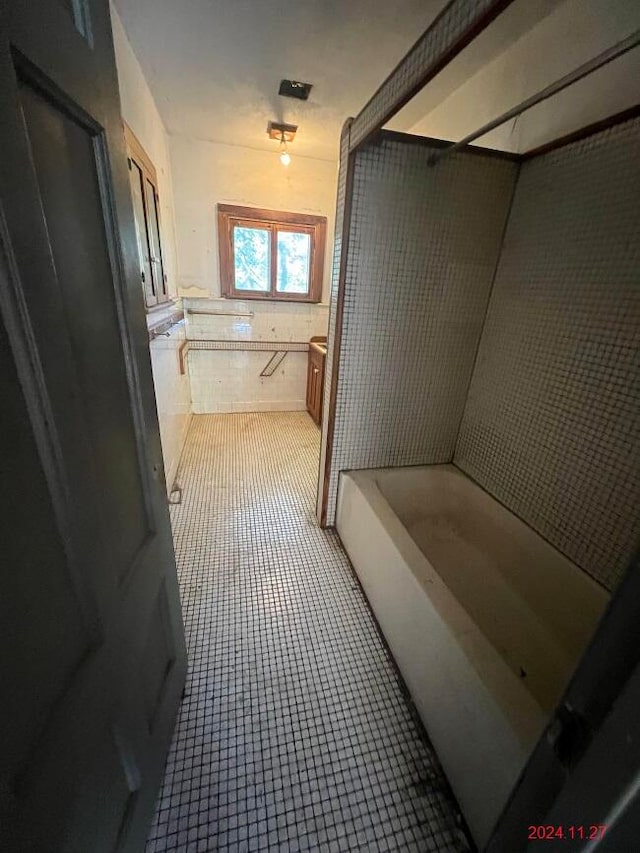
x=553 y=787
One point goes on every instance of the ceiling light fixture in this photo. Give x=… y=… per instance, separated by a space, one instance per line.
x=285 y=157
x=285 y=134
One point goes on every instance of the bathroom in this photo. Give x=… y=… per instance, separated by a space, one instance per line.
x=480 y=324
x=390 y=589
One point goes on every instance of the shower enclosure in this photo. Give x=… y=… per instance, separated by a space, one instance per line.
x=485 y=323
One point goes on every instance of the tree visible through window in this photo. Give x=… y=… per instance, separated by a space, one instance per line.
x=270 y=255
x=294 y=256
x=252 y=258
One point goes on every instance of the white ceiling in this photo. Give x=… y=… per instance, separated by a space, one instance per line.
x=214 y=66
x=532 y=44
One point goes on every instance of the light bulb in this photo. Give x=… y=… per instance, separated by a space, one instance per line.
x=285 y=158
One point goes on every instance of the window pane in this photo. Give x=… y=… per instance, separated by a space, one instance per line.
x=252 y=258
x=294 y=256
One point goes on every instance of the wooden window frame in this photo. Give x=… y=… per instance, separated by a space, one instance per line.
x=273 y=220
x=137 y=155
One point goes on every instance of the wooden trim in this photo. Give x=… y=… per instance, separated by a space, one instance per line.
x=431 y=142
x=279 y=217
x=273 y=257
x=225 y=249
x=337 y=336
x=272 y=220
x=317 y=259
x=583 y=132
x=138 y=153
x=457 y=47
x=574 y=136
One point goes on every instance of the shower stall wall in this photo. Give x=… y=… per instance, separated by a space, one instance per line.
x=497 y=330
x=551 y=425
x=547 y=418
x=422 y=247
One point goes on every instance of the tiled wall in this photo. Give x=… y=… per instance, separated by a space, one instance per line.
x=173 y=396
x=552 y=422
x=423 y=246
x=230 y=381
x=332 y=334
x=171 y=387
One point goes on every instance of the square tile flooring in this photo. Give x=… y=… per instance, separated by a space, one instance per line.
x=296 y=732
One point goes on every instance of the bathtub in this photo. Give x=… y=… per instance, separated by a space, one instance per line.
x=485 y=619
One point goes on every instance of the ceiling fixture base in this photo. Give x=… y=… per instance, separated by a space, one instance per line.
x=279 y=131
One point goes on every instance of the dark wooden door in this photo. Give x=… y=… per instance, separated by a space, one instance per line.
x=93 y=657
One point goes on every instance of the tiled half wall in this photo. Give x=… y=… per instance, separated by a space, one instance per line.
x=230 y=380
x=552 y=422
x=422 y=251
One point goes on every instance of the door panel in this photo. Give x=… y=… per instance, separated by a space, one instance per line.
x=64 y=159
x=93 y=658
x=52 y=651
x=159 y=658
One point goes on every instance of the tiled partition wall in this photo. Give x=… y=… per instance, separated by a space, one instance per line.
x=552 y=422
x=334 y=328
x=422 y=250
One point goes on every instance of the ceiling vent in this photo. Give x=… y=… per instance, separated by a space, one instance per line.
x=294 y=89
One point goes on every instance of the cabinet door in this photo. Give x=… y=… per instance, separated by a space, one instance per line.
x=312 y=385
x=320 y=387
x=313 y=376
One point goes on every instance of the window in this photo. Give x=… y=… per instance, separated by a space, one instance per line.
x=146 y=213
x=266 y=254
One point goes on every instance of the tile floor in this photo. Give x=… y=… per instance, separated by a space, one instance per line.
x=295 y=733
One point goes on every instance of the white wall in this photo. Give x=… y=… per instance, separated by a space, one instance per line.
x=205 y=174
x=570 y=35
x=173 y=396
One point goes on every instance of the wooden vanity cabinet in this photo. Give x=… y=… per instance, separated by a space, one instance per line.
x=315 y=377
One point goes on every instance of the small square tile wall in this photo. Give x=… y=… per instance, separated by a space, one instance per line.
x=423 y=247
x=341 y=212
x=552 y=422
